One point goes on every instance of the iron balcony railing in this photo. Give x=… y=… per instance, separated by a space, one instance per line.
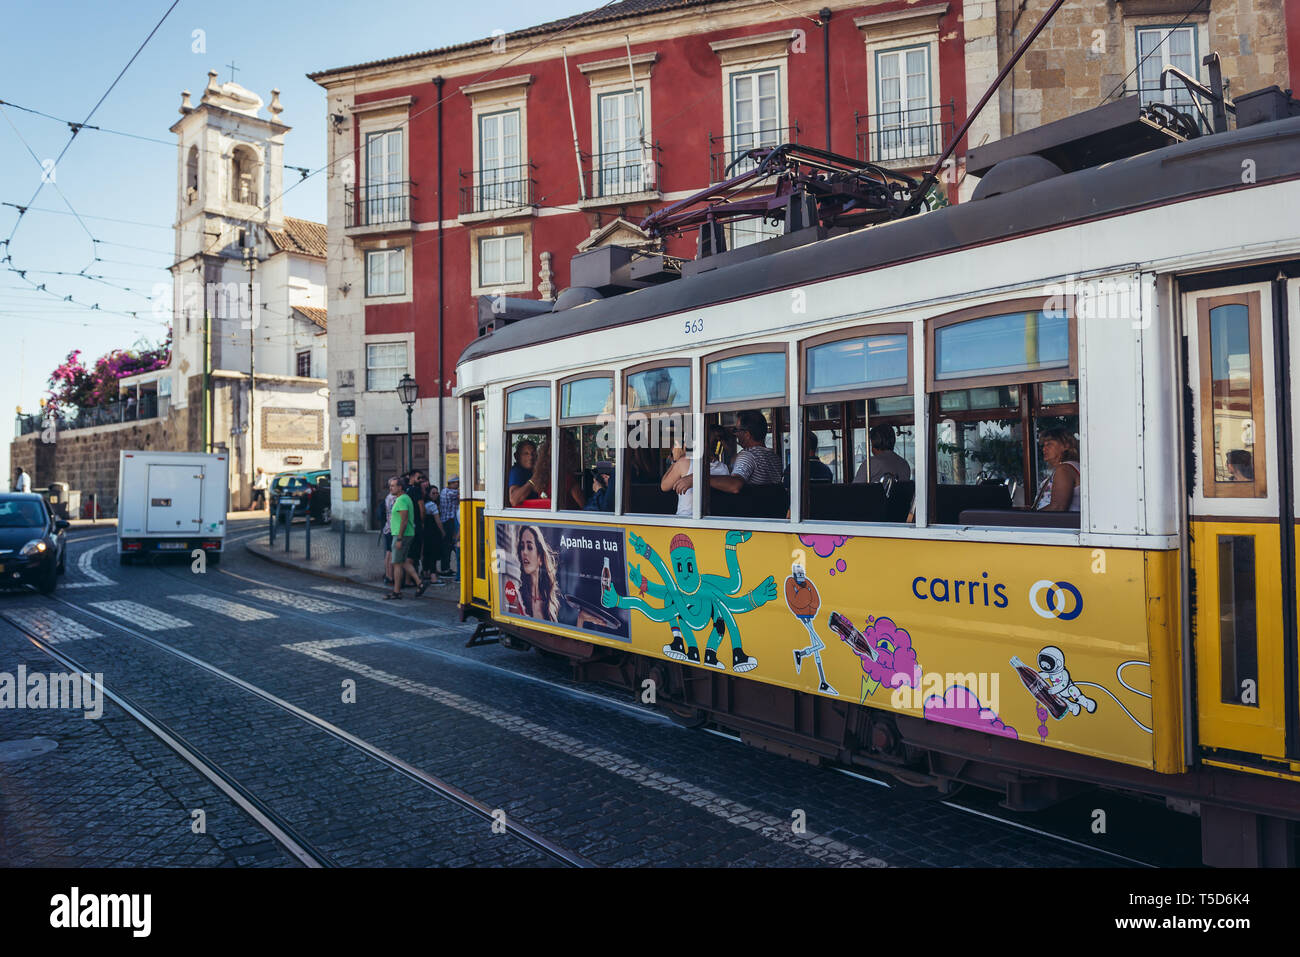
x=122 y=410
x=499 y=188
x=901 y=135
x=378 y=204
x=622 y=172
x=726 y=150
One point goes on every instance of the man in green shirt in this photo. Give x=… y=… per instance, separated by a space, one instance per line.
x=402 y=525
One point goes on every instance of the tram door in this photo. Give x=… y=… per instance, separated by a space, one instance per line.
x=475 y=553
x=1239 y=521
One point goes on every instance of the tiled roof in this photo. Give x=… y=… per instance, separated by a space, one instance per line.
x=312 y=314
x=301 y=236
x=622 y=10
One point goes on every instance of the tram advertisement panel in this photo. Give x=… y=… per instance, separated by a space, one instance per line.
x=1055 y=645
x=556 y=574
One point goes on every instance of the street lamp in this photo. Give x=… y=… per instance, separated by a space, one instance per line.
x=408 y=390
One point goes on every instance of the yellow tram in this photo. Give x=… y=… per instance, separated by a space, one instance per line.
x=1003 y=493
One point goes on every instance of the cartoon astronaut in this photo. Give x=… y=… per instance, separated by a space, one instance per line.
x=1051 y=668
x=803 y=601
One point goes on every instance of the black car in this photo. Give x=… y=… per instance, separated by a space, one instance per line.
x=32 y=545
x=309 y=490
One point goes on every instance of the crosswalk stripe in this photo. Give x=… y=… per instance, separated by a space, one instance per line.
x=231 y=609
x=292 y=600
x=50 y=625
x=350 y=591
x=141 y=616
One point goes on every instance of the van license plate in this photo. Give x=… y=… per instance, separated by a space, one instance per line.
x=171 y=546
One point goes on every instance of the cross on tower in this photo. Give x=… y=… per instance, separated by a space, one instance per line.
x=233 y=69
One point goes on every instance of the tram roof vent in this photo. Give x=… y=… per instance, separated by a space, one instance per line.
x=613 y=269
x=1101 y=135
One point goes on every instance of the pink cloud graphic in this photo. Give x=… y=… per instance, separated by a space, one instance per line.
x=895 y=665
x=824 y=545
x=960 y=707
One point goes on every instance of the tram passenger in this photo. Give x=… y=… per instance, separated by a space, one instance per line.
x=602 y=493
x=520 y=481
x=883 y=461
x=756 y=464
x=818 y=470
x=1059 y=491
x=679 y=476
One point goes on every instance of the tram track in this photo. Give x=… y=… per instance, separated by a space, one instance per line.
x=260 y=811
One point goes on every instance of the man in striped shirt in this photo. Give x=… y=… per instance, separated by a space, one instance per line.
x=756 y=464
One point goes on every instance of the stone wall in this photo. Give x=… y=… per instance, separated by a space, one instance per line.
x=1089 y=49
x=87 y=459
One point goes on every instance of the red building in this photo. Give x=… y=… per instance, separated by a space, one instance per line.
x=480 y=169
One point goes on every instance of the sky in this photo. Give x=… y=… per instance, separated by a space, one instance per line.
x=61 y=57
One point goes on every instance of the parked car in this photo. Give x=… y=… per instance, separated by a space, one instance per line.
x=310 y=491
x=32 y=545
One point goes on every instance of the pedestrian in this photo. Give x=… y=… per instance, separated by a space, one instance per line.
x=259 y=491
x=22 y=481
x=402 y=526
x=434 y=532
x=386 y=533
x=449 y=510
x=412 y=491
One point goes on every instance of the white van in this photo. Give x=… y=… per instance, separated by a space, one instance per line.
x=171 y=502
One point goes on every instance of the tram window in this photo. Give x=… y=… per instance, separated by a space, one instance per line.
x=858 y=409
x=1232 y=397
x=528 y=437
x=744 y=402
x=1238 y=642
x=479 y=416
x=1005 y=418
x=658 y=426
x=586 y=462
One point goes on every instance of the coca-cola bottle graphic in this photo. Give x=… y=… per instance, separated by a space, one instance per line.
x=856 y=640
x=1039 y=688
x=606 y=578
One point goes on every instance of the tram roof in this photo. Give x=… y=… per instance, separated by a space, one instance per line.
x=1182 y=171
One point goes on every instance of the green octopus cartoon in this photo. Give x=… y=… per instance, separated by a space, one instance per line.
x=693 y=600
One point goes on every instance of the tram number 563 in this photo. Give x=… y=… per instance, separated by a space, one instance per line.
x=693 y=327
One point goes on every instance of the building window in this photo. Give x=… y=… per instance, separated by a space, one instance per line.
x=304 y=364
x=621 y=162
x=755 y=113
x=500 y=170
x=243 y=176
x=1159 y=47
x=904 y=117
x=746 y=232
x=501 y=260
x=385 y=365
x=192 y=175
x=386 y=198
x=386 y=272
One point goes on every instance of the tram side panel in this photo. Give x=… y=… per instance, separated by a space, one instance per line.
x=1067 y=647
